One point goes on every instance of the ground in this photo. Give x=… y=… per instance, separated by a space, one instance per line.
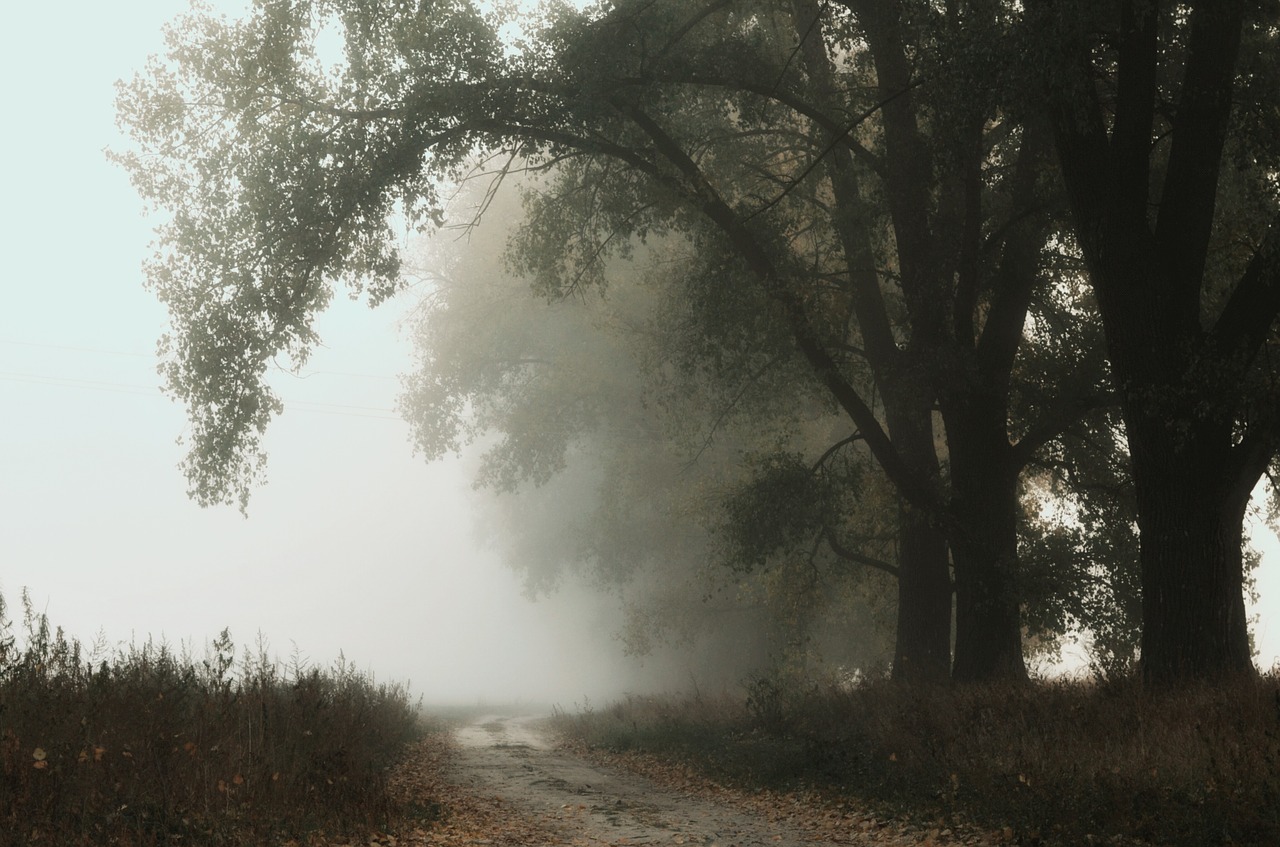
x=502 y=781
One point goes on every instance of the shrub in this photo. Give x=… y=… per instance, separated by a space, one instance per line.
x=1056 y=761
x=143 y=746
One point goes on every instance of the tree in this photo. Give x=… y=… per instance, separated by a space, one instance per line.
x=1166 y=129
x=896 y=229
x=861 y=257
x=1079 y=547
x=614 y=422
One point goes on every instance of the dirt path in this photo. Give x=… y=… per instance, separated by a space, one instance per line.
x=510 y=758
x=587 y=804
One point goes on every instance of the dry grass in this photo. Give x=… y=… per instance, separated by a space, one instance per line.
x=1056 y=762
x=145 y=747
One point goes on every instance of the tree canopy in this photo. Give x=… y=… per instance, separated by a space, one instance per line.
x=867 y=187
x=626 y=450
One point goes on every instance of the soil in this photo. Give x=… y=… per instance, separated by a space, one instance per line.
x=503 y=781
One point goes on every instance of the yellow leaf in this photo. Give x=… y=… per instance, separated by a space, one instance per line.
x=39 y=754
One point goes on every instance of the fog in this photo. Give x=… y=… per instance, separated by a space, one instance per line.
x=356 y=547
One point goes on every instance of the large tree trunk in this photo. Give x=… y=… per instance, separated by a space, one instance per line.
x=922 y=652
x=1191 y=479
x=984 y=481
x=1192 y=473
x=1190 y=516
x=1198 y=441
x=923 y=649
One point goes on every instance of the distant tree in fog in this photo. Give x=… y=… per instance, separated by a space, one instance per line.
x=619 y=437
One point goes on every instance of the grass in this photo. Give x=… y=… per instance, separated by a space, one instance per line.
x=1061 y=762
x=143 y=746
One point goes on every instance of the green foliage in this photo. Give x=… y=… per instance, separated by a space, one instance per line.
x=784 y=506
x=278 y=174
x=826 y=225
x=780 y=507
x=145 y=746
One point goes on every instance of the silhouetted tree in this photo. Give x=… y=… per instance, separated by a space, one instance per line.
x=1165 y=120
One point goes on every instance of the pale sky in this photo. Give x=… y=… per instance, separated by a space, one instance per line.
x=354 y=546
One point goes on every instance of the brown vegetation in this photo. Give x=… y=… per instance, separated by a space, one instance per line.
x=1062 y=762
x=142 y=746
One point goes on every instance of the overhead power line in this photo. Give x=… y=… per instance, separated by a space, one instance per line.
x=313 y=406
x=97 y=350
x=87 y=384
x=133 y=354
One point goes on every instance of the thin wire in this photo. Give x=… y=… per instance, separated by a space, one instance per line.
x=102 y=351
x=313 y=406
x=69 y=347
x=71 y=382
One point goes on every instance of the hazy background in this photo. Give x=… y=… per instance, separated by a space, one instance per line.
x=354 y=545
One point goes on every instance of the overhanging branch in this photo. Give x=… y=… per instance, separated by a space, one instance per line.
x=710 y=203
x=854 y=556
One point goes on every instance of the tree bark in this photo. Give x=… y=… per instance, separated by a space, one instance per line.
x=922 y=651
x=984 y=487
x=923 y=640
x=1190 y=517
x=939 y=243
x=923 y=648
x=1191 y=478
x=1196 y=448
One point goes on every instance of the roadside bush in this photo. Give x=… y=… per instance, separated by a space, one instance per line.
x=1057 y=762
x=142 y=746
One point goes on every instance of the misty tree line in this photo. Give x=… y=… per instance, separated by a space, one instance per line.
x=971 y=303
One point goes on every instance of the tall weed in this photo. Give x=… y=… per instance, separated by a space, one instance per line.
x=143 y=746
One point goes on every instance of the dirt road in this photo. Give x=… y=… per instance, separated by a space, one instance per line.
x=586 y=804
x=510 y=758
